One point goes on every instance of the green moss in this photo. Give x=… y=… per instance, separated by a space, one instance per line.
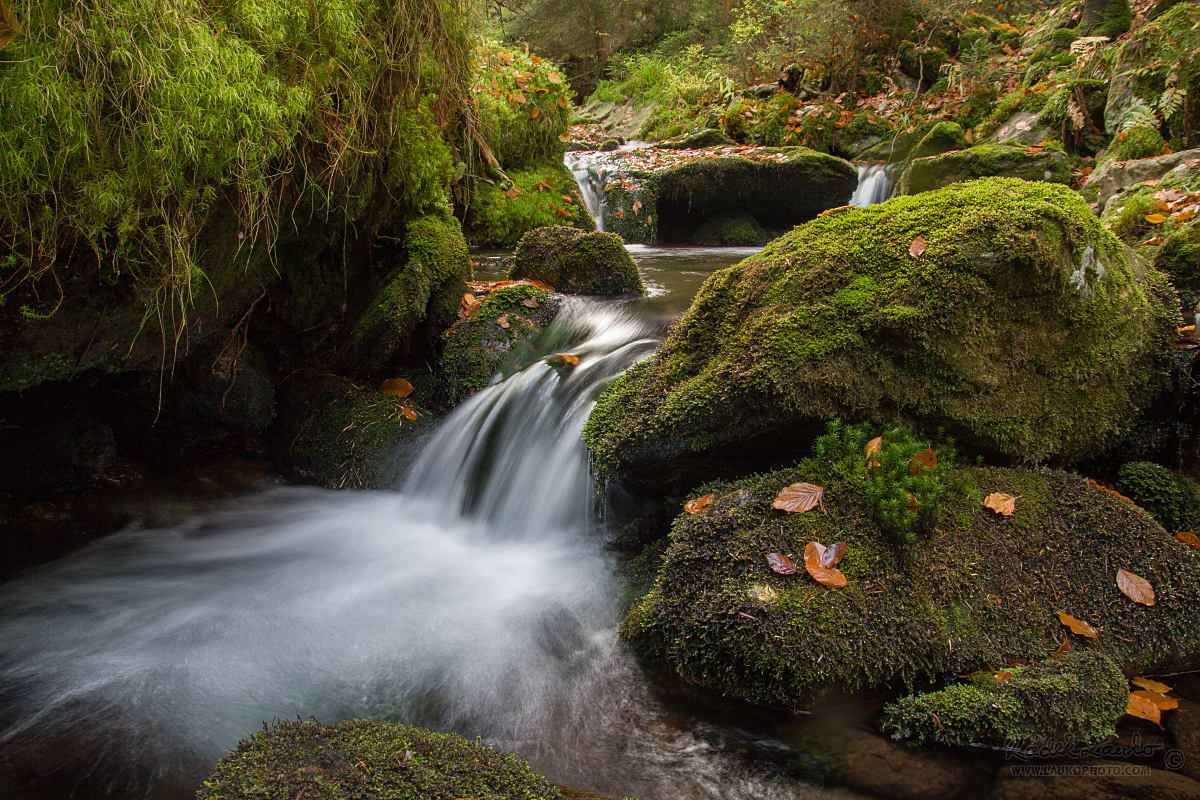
x=1173 y=499
x=360 y=759
x=501 y=219
x=1179 y=260
x=510 y=86
x=1138 y=142
x=1075 y=700
x=730 y=230
x=1024 y=99
x=711 y=137
x=984 y=160
x=479 y=347
x=941 y=137
x=982 y=590
x=436 y=264
x=631 y=213
x=1125 y=214
x=1118 y=16
x=1021 y=328
x=577 y=263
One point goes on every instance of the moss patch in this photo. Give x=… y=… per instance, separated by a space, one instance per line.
x=543 y=196
x=941 y=137
x=577 y=263
x=1173 y=499
x=1006 y=161
x=1022 y=329
x=361 y=759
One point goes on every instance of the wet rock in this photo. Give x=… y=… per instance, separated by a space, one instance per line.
x=608 y=145
x=1184 y=725
x=882 y=768
x=730 y=230
x=985 y=160
x=1114 y=177
x=712 y=137
x=1125 y=214
x=575 y=262
x=54 y=455
x=1022 y=128
x=1095 y=780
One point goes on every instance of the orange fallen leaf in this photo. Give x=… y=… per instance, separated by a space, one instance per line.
x=1155 y=219
x=1151 y=685
x=912 y=502
x=1141 y=707
x=1062 y=649
x=818 y=555
x=535 y=113
x=396 y=386
x=511 y=193
x=1135 y=587
x=564 y=137
x=782 y=564
x=800 y=497
x=567 y=357
x=1105 y=489
x=468 y=300
x=697 y=505
x=554 y=78
x=637 y=206
x=1188 y=538
x=917 y=247
x=1079 y=626
x=1151 y=182
x=1160 y=700
x=530 y=302
x=408 y=412
x=520 y=98
x=1003 y=675
x=970 y=137
x=545 y=287
x=826 y=576
x=502 y=321
x=1001 y=503
x=874 y=446
x=1192 y=162
x=923 y=461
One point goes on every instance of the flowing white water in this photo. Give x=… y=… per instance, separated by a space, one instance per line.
x=478 y=599
x=874 y=184
x=591 y=169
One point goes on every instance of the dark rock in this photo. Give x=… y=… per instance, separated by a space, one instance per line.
x=1184 y=725
x=882 y=768
x=730 y=230
x=575 y=262
x=54 y=455
x=1095 y=780
x=981 y=161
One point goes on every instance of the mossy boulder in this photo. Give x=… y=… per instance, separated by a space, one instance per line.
x=1150 y=61
x=1141 y=141
x=480 y=346
x=575 y=262
x=730 y=230
x=712 y=137
x=1006 y=161
x=1024 y=329
x=353 y=437
x=1179 y=260
x=1074 y=700
x=361 y=759
x=1114 y=177
x=428 y=284
x=501 y=214
x=1171 y=498
x=982 y=589
x=1125 y=212
x=941 y=138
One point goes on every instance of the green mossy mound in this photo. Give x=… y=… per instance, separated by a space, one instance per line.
x=479 y=347
x=354 y=437
x=575 y=262
x=982 y=589
x=1075 y=700
x=546 y=195
x=1171 y=498
x=1179 y=260
x=1005 y=161
x=713 y=137
x=1139 y=142
x=361 y=760
x=942 y=137
x=730 y=230
x=1023 y=329
x=524 y=107
x=429 y=283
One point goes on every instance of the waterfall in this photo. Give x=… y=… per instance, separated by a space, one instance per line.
x=874 y=184
x=591 y=183
x=477 y=599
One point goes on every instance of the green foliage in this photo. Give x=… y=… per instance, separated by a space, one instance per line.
x=502 y=219
x=1138 y=142
x=521 y=109
x=360 y=759
x=1171 y=498
x=1160 y=62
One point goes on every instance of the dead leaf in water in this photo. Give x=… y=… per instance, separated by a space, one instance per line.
x=799 y=497
x=568 y=358
x=1159 y=699
x=1135 y=587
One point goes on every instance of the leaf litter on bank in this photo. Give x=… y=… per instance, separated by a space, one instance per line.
x=799 y=498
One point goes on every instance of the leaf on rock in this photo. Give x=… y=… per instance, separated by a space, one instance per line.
x=1001 y=503
x=800 y=497
x=874 y=446
x=1141 y=707
x=1135 y=587
x=545 y=287
x=923 y=461
x=1062 y=649
x=697 y=505
x=917 y=247
x=409 y=412
x=1151 y=685
x=396 y=386
x=530 y=302
x=468 y=300
x=782 y=564
x=568 y=358
x=1160 y=700
x=1079 y=626
x=1155 y=219
x=1188 y=538
x=502 y=321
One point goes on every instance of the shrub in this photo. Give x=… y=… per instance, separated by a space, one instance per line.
x=524 y=107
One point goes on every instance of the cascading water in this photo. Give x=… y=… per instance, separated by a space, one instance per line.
x=478 y=599
x=874 y=184
x=590 y=168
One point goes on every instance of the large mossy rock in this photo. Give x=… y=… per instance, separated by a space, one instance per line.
x=1113 y=177
x=941 y=138
x=982 y=589
x=361 y=759
x=1125 y=212
x=575 y=262
x=1148 y=61
x=1024 y=329
x=985 y=160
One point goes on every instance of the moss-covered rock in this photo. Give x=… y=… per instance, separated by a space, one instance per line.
x=1125 y=212
x=354 y=437
x=436 y=269
x=1006 y=161
x=1137 y=142
x=712 y=137
x=1113 y=178
x=1024 y=329
x=982 y=589
x=1152 y=74
x=576 y=262
x=500 y=215
x=1179 y=260
x=361 y=759
x=730 y=230
x=942 y=137
x=1074 y=700
x=1075 y=112
x=479 y=347
x=1172 y=499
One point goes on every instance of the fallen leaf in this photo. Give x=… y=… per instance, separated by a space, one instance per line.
x=520 y=98
x=1001 y=503
x=502 y=321
x=564 y=137
x=1151 y=183
x=1186 y=329
x=396 y=386
x=970 y=137
x=782 y=564
x=1003 y=675
x=695 y=506
x=917 y=247
x=468 y=300
x=827 y=576
x=922 y=461
x=554 y=78
x=511 y=193
x=530 y=302
x=1188 y=538
x=1155 y=219
x=818 y=555
x=874 y=446
x=1079 y=626
x=1062 y=649
x=1160 y=700
x=1192 y=162
x=408 y=412
x=912 y=502
x=9 y=27
x=1151 y=685
x=637 y=206
x=1135 y=587
x=1105 y=489
x=1141 y=707
x=567 y=357
x=535 y=113
x=799 y=497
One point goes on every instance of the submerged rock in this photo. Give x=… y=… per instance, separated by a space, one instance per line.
x=981 y=161
x=360 y=759
x=1023 y=328
x=982 y=589
x=576 y=262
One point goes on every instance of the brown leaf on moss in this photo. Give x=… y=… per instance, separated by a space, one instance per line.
x=1141 y=707
x=782 y=564
x=697 y=505
x=799 y=497
x=826 y=576
x=502 y=321
x=874 y=446
x=1062 y=649
x=9 y=27
x=912 y=502
x=1135 y=587
x=396 y=386
x=409 y=412
x=1079 y=626
x=818 y=555
x=1001 y=503
x=554 y=78
x=923 y=461
x=917 y=247
x=530 y=302
x=1188 y=538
